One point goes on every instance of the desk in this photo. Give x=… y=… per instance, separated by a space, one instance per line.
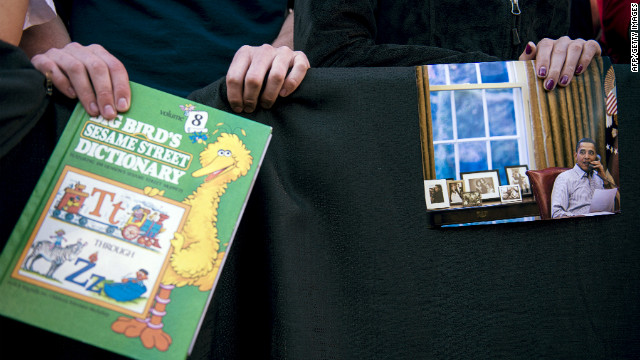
x=486 y=212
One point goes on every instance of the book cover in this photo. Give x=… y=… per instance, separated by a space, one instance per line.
x=122 y=241
x=490 y=133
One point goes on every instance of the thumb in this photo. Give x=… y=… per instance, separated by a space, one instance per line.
x=529 y=52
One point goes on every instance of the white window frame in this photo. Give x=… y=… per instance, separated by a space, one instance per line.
x=517 y=80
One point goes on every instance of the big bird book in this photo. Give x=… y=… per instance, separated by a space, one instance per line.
x=122 y=241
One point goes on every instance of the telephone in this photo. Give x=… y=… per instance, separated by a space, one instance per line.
x=591 y=167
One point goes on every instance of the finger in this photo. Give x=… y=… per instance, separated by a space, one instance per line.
x=558 y=57
x=119 y=78
x=100 y=77
x=260 y=65
x=590 y=50
x=574 y=51
x=543 y=57
x=297 y=73
x=75 y=71
x=529 y=52
x=46 y=65
x=276 y=78
x=235 y=78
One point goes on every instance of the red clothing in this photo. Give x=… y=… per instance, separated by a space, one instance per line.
x=615 y=18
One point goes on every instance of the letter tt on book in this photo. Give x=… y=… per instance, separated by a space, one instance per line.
x=128 y=227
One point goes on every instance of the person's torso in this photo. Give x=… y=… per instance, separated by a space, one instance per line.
x=448 y=23
x=175 y=46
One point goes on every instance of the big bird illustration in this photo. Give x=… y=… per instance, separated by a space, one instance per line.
x=195 y=258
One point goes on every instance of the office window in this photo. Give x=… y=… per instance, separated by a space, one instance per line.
x=478 y=117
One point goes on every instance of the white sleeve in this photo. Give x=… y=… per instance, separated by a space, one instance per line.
x=39 y=12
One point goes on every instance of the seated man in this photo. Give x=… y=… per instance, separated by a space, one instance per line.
x=574 y=188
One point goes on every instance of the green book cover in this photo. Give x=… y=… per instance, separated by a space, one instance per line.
x=122 y=241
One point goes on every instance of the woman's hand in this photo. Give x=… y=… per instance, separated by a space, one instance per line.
x=558 y=61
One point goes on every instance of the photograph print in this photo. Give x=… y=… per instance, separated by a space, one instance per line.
x=516 y=175
x=455 y=188
x=485 y=182
x=436 y=194
x=471 y=198
x=510 y=193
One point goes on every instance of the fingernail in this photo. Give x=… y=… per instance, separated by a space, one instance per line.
x=549 y=85
x=579 y=69
x=237 y=109
x=93 y=107
x=109 y=112
x=564 y=80
x=71 y=92
x=283 y=92
x=542 y=72
x=248 y=109
x=528 y=49
x=122 y=104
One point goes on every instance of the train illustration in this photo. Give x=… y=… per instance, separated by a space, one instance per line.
x=142 y=226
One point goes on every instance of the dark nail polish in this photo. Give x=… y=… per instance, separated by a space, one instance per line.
x=564 y=80
x=542 y=72
x=528 y=49
x=579 y=69
x=550 y=84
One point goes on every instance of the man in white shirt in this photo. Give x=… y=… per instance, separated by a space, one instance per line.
x=574 y=188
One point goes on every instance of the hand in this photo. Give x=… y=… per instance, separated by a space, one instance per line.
x=248 y=70
x=558 y=61
x=597 y=166
x=91 y=74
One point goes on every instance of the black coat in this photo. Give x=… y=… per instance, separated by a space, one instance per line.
x=348 y=33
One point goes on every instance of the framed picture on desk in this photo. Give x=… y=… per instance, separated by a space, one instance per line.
x=455 y=189
x=485 y=182
x=510 y=193
x=516 y=175
x=436 y=194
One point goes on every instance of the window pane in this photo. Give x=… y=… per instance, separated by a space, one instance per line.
x=502 y=116
x=469 y=114
x=445 y=161
x=494 y=72
x=441 y=120
x=463 y=74
x=473 y=156
x=504 y=153
x=437 y=74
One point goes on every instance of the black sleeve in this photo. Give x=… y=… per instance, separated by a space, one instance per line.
x=23 y=96
x=342 y=33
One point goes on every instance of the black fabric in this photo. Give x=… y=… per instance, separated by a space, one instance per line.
x=22 y=166
x=581 y=21
x=417 y=32
x=23 y=96
x=334 y=259
x=24 y=146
